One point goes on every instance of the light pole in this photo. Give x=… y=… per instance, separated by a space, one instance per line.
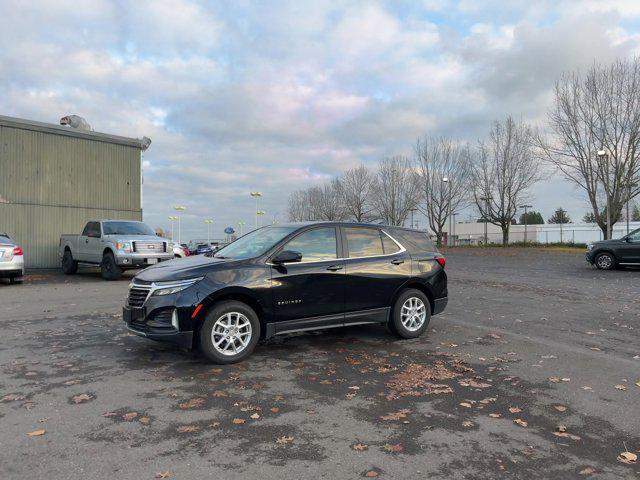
x=604 y=156
x=209 y=222
x=172 y=218
x=448 y=182
x=486 y=201
x=453 y=230
x=241 y=225
x=526 y=207
x=412 y=210
x=561 y=212
x=179 y=208
x=259 y=213
x=257 y=196
x=630 y=185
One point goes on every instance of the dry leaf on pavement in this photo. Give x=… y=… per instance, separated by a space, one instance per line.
x=396 y=415
x=255 y=416
x=467 y=423
x=360 y=447
x=193 y=403
x=628 y=458
x=514 y=410
x=130 y=416
x=587 y=471
x=520 y=422
x=162 y=475
x=284 y=440
x=560 y=408
x=83 y=397
x=465 y=404
x=187 y=428
x=36 y=433
x=238 y=421
x=621 y=387
x=371 y=474
x=495 y=415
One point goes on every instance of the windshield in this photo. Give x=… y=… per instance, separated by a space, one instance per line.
x=255 y=243
x=127 y=228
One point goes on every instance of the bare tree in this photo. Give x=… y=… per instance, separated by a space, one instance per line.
x=504 y=169
x=396 y=190
x=354 y=188
x=444 y=180
x=599 y=111
x=316 y=203
x=298 y=208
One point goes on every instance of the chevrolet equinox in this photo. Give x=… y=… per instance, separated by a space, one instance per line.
x=290 y=278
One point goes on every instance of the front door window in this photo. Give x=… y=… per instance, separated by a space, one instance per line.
x=315 y=245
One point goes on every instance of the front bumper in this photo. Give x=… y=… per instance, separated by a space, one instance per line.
x=141 y=260
x=439 y=304
x=147 y=325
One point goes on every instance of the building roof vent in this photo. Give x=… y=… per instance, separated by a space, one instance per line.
x=76 y=121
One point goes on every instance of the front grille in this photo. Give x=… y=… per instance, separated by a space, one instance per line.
x=137 y=296
x=149 y=247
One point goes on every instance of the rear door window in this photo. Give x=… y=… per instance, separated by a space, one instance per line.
x=389 y=245
x=413 y=240
x=363 y=242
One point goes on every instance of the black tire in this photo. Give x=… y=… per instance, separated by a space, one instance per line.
x=218 y=312
x=69 y=265
x=109 y=268
x=605 y=261
x=395 y=322
x=13 y=280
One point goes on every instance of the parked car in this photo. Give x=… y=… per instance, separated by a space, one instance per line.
x=608 y=254
x=179 y=251
x=287 y=278
x=115 y=245
x=11 y=259
x=201 y=249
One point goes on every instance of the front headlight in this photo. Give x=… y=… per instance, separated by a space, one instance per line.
x=124 y=247
x=168 y=288
x=589 y=247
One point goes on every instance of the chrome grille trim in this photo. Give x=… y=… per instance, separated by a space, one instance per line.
x=138 y=295
x=149 y=247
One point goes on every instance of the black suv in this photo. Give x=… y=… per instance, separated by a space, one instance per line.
x=289 y=278
x=608 y=254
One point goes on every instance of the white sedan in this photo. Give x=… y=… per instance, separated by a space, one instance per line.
x=11 y=259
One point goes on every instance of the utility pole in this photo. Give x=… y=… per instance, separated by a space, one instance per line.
x=453 y=230
x=561 y=212
x=179 y=208
x=172 y=218
x=526 y=207
x=412 y=210
x=486 y=199
x=209 y=222
x=448 y=182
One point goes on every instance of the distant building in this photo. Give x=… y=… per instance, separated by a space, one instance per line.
x=472 y=233
x=53 y=179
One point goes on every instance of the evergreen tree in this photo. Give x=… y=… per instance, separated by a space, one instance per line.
x=533 y=218
x=559 y=216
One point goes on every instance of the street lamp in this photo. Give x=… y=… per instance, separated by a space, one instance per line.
x=241 y=224
x=172 y=218
x=526 y=207
x=486 y=201
x=258 y=213
x=179 y=208
x=209 y=222
x=257 y=196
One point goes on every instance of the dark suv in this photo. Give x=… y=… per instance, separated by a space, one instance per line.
x=289 y=278
x=608 y=254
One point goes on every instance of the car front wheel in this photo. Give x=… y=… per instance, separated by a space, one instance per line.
x=109 y=268
x=230 y=332
x=605 y=261
x=411 y=314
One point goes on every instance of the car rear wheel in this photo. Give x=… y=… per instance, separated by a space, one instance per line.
x=230 y=332
x=109 y=268
x=411 y=314
x=605 y=261
x=69 y=265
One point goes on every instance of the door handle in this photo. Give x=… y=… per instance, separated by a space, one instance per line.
x=397 y=261
x=334 y=268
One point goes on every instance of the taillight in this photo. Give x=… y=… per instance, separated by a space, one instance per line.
x=186 y=252
x=17 y=251
x=441 y=261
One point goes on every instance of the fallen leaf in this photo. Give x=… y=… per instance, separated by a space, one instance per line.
x=83 y=397
x=193 y=403
x=396 y=415
x=218 y=393
x=514 y=410
x=274 y=409
x=187 y=428
x=554 y=379
x=567 y=435
x=495 y=415
x=255 y=416
x=638 y=383
x=144 y=420
x=360 y=447
x=520 y=422
x=284 y=440
x=465 y=404
x=560 y=408
x=565 y=379
x=621 y=387
x=587 y=471
x=395 y=448
x=371 y=474
x=12 y=397
x=130 y=416
x=162 y=475
x=238 y=421
x=628 y=458
x=36 y=433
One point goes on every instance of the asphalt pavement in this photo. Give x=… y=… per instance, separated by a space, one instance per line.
x=532 y=371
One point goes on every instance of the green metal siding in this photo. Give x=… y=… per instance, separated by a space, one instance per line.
x=52 y=184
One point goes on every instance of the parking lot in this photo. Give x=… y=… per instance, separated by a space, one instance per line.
x=533 y=370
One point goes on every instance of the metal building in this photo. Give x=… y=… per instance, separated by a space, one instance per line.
x=54 y=179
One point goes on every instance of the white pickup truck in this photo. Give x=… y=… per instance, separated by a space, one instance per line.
x=115 y=245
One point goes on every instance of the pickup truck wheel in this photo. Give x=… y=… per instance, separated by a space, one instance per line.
x=69 y=265
x=230 y=332
x=109 y=268
x=411 y=314
x=13 y=280
x=605 y=261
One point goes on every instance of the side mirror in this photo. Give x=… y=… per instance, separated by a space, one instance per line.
x=628 y=239
x=287 y=256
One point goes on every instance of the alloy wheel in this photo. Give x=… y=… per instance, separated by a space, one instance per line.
x=413 y=314
x=231 y=333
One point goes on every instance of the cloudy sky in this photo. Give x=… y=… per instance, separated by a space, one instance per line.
x=276 y=96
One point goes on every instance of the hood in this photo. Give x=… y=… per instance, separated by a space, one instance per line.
x=609 y=242
x=141 y=238
x=183 y=268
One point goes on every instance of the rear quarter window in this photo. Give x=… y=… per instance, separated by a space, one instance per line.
x=414 y=241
